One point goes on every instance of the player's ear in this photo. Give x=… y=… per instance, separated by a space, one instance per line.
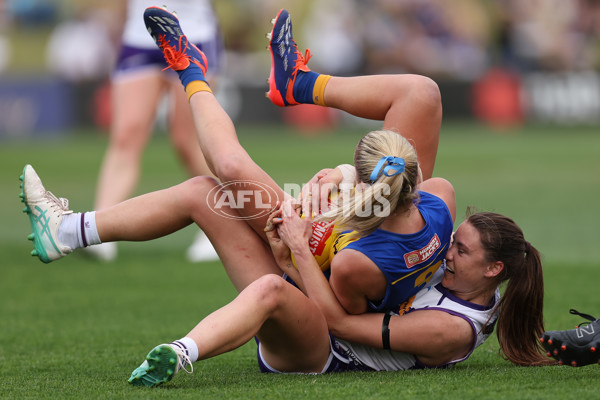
x=494 y=269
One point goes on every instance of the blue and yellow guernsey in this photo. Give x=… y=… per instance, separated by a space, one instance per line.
x=408 y=261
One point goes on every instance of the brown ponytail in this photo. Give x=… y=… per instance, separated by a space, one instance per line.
x=521 y=319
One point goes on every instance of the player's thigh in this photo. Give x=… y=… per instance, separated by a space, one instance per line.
x=244 y=254
x=296 y=337
x=135 y=98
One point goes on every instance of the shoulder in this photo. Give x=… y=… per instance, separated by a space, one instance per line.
x=356 y=269
x=352 y=259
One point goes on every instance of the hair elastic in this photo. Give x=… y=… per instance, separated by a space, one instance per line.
x=385 y=165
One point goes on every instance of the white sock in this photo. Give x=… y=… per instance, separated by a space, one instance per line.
x=90 y=232
x=78 y=230
x=189 y=346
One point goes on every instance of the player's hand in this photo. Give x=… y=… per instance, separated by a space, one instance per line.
x=294 y=230
x=281 y=252
x=319 y=188
x=274 y=219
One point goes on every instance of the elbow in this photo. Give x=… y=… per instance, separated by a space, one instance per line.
x=337 y=320
x=336 y=332
x=336 y=327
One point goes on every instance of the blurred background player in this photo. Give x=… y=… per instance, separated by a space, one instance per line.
x=138 y=87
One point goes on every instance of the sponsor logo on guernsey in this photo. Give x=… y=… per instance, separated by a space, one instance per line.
x=318 y=240
x=418 y=256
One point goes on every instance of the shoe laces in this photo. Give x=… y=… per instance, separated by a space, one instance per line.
x=176 y=59
x=301 y=61
x=183 y=360
x=583 y=315
x=58 y=204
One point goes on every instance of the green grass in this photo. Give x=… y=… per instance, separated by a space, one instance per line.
x=76 y=328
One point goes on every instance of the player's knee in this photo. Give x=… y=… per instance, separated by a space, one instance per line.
x=425 y=91
x=269 y=291
x=429 y=92
x=231 y=167
x=131 y=137
x=195 y=191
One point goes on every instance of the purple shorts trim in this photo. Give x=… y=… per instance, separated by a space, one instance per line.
x=338 y=361
x=133 y=58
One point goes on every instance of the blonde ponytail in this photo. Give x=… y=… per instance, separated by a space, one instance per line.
x=388 y=172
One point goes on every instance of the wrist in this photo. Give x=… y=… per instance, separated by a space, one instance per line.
x=301 y=252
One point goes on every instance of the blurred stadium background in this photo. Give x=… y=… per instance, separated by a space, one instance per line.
x=528 y=71
x=505 y=62
x=520 y=85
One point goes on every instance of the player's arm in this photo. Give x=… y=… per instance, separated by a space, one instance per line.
x=355 y=280
x=281 y=252
x=434 y=337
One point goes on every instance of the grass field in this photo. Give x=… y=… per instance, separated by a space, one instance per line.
x=76 y=328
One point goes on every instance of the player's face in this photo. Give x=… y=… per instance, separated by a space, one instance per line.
x=466 y=263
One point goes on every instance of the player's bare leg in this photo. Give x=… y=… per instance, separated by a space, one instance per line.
x=185 y=141
x=162 y=212
x=270 y=309
x=134 y=99
x=408 y=104
x=218 y=139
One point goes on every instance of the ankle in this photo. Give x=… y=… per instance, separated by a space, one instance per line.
x=319 y=89
x=187 y=345
x=304 y=86
x=195 y=87
x=310 y=87
x=78 y=230
x=191 y=74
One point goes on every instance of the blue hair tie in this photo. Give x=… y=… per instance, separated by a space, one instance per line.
x=388 y=166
